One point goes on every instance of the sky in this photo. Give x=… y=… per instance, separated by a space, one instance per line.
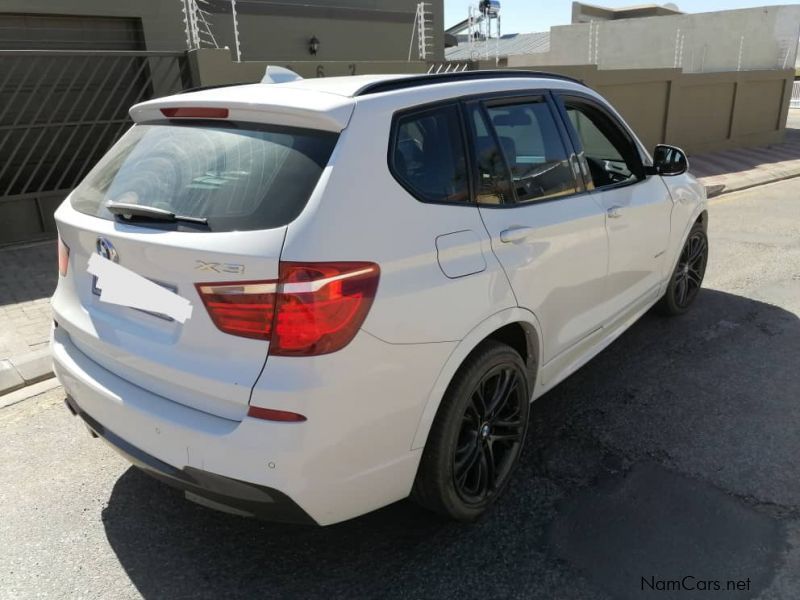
x=523 y=16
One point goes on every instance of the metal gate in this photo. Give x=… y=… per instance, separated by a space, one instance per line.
x=60 y=110
x=795 y=102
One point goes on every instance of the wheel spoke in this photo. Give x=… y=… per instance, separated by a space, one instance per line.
x=467 y=463
x=480 y=405
x=472 y=415
x=681 y=291
x=695 y=277
x=698 y=249
x=506 y=382
x=508 y=421
x=505 y=437
x=487 y=463
x=469 y=438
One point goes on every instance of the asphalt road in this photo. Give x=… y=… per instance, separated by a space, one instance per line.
x=674 y=453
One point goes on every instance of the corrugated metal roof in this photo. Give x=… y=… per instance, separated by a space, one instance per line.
x=507 y=45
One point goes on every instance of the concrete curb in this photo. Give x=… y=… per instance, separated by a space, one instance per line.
x=27 y=392
x=25 y=369
x=722 y=189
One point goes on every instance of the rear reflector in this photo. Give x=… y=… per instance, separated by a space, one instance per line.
x=63 y=257
x=312 y=309
x=195 y=112
x=269 y=414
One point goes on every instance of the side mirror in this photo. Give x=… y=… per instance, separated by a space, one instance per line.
x=669 y=160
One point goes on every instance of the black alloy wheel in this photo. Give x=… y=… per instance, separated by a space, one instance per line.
x=477 y=435
x=687 y=278
x=491 y=434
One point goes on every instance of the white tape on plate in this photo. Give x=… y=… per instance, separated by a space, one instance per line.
x=122 y=286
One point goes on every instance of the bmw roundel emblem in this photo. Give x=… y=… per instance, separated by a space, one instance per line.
x=106 y=249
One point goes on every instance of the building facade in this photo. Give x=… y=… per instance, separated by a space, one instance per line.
x=69 y=71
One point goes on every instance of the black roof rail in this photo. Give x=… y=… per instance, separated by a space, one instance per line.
x=420 y=80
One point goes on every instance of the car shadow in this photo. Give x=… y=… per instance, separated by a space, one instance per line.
x=709 y=399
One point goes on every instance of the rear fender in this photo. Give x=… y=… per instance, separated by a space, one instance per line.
x=460 y=353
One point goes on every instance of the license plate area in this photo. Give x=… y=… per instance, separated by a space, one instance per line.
x=166 y=286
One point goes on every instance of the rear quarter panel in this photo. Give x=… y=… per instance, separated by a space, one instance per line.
x=363 y=213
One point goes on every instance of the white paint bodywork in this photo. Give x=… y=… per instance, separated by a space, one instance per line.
x=180 y=392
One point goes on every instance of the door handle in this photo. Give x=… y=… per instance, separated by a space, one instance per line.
x=614 y=212
x=515 y=234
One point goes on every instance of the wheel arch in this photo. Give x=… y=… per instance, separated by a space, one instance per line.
x=702 y=218
x=517 y=327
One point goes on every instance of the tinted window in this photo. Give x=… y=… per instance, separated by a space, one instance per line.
x=236 y=178
x=427 y=155
x=494 y=183
x=609 y=152
x=533 y=149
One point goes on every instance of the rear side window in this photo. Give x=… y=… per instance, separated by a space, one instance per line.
x=237 y=178
x=534 y=151
x=427 y=155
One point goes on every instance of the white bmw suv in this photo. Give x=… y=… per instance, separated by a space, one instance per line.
x=309 y=299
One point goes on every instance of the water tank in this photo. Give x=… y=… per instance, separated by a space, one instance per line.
x=489 y=8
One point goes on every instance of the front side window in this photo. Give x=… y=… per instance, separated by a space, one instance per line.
x=610 y=154
x=534 y=151
x=427 y=155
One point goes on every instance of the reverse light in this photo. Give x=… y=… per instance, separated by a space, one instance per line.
x=63 y=257
x=195 y=112
x=312 y=309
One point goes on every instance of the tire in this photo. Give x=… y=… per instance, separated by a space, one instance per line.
x=472 y=450
x=687 y=278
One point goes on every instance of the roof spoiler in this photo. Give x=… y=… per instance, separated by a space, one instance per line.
x=275 y=74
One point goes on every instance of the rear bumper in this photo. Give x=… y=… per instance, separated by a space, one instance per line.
x=220 y=492
x=353 y=454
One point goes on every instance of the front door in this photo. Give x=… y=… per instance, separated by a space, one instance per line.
x=548 y=234
x=637 y=206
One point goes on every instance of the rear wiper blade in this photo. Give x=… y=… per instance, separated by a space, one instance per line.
x=129 y=211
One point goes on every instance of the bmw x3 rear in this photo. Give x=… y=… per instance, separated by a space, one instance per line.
x=368 y=317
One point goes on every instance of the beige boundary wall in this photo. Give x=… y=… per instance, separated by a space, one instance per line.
x=700 y=112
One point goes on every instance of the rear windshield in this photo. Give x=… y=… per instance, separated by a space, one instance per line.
x=237 y=178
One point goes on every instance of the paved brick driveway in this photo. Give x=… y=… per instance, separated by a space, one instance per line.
x=28 y=276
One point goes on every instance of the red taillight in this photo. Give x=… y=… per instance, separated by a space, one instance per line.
x=245 y=308
x=195 y=112
x=314 y=308
x=321 y=306
x=63 y=257
x=270 y=414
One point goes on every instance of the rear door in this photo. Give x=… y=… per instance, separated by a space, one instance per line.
x=637 y=206
x=549 y=236
x=238 y=186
